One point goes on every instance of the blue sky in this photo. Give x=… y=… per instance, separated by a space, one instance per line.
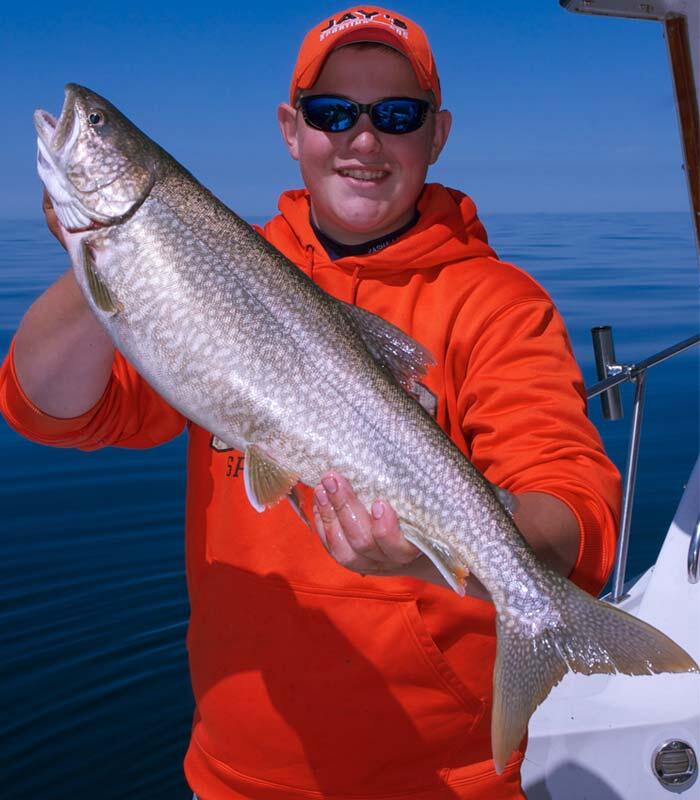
x=553 y=111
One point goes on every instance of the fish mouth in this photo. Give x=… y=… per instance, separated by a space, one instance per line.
x=45 y=124
x=55 y=141
x=59 y=135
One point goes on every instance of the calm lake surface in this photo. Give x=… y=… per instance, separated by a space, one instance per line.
x=93 y=608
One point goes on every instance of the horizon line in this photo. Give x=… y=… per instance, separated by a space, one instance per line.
x=480 y=212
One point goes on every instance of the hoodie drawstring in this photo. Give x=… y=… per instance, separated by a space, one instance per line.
x=355 y=284
x=310 y=257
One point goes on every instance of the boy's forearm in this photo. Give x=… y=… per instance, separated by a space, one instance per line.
x=550 y=527
x=62 y=356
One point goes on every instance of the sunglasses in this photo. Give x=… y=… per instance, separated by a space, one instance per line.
x=334 y=114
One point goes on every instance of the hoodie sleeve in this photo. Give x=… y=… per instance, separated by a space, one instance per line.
x=129 y=414
x=523 y=412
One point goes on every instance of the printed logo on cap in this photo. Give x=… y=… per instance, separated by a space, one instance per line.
x=360 y=17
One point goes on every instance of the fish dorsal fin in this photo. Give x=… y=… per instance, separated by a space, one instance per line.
x=449 y=566
x=404 y=357
x=99 y=292
x=266 y=482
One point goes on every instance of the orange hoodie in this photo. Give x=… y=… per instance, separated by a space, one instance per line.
x=311 y=681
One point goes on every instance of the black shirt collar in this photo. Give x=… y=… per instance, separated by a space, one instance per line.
x=336 y=250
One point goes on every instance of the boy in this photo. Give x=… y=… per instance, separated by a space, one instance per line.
x=340 y=665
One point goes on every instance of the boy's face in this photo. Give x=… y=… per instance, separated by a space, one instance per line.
x=363 y=183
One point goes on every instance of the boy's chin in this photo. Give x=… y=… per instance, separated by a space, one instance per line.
x=364 y=229
x=361 y=215
x=353 y=219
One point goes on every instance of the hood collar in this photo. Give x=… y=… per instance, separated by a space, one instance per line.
x=447 y=230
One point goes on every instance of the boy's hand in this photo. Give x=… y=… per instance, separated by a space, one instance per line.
x=368 y=542
x=51 y=219
x=371 y=542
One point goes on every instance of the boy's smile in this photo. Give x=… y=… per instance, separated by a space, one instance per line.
x=364 y=183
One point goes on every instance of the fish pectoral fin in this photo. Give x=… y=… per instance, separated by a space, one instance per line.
x=101 y=295
x=266 y=482
x=404 y=357
x=442 y=555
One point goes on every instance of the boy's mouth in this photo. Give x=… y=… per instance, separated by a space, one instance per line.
x=364 y=174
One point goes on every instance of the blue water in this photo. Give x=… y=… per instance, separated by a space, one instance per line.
x=94 y=686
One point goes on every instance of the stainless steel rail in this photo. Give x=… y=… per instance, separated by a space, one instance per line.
x=636 y=373
x=694 y=554
x=628 y=372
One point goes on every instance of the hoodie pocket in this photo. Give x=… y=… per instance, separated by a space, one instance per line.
x=333 y=690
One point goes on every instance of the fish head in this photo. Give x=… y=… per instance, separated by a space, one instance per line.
x=97 y=166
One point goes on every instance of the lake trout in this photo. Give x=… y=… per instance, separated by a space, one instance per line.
x=240 y=341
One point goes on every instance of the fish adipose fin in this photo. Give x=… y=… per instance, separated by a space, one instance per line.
x=451 y=569
x=588 y=637
x=101 y=295
x=404 y=357
x=266 y=482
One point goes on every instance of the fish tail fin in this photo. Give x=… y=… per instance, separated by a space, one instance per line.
x=589 y=637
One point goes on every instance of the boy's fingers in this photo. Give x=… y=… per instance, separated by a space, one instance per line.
x=333 y=537
x=386 y=533
x=318 y=524
x=352 y=516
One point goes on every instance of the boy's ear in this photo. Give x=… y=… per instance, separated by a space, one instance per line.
x=287 y=118
x=443 y=123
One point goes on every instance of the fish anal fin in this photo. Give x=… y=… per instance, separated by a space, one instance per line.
x=99 y=292
x=266 y=482
x=449 y=566
x=403 y=356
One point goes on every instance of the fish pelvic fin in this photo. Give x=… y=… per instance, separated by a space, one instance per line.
x=266 y=482
x=295 y=503
x=589 y=637
x=448 y=564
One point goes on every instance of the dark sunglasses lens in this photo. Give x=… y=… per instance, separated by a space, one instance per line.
x=331 y=114
x=399 y=115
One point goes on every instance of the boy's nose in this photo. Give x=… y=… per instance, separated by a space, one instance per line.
x=366 y=142
x=365 y=139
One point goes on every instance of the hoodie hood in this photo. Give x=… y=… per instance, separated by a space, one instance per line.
x=447 y=230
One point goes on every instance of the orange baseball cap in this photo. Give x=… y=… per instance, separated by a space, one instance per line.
x=366 y=24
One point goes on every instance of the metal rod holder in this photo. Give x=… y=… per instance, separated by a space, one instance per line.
x=629 y=486
x=611 y=375
x=628 y=372
x=606 y=366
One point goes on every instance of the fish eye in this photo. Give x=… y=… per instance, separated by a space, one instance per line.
x=95 y=118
